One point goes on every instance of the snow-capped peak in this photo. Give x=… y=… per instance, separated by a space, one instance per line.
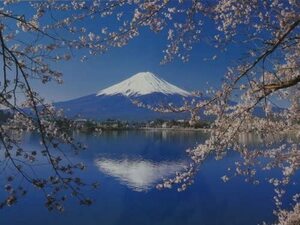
x=141 y=84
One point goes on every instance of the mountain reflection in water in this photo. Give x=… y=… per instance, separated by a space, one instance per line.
x=139 y=175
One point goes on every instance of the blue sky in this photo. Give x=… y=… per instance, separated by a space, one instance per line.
x=142 y=54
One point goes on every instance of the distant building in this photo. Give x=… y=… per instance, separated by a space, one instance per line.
x=164 y=125
x=80 y=122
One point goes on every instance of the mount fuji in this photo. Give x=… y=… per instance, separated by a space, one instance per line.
x=116 y=102
x=143 y=83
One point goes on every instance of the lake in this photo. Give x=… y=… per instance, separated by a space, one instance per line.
x=128 y=165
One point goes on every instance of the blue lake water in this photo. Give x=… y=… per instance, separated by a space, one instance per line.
x=128 y=165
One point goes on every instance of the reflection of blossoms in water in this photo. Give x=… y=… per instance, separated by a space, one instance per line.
x=139 y=175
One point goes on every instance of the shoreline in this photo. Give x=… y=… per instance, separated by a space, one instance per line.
x=173 y=129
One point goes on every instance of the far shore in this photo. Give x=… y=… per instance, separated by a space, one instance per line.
x=174 y=129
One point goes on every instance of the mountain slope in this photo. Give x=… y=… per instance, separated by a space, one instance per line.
x=115 y=102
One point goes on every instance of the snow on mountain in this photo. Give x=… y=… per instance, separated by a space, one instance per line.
x=115 y=102
x=143 y=83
